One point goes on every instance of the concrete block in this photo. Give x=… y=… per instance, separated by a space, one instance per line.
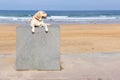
x=39 y=51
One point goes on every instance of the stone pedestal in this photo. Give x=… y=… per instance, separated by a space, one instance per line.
x=39 y=51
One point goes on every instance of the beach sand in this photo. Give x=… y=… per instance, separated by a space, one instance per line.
x=75 y=38
x=8 y=39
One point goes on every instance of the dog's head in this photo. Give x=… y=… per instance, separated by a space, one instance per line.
x=43 y=14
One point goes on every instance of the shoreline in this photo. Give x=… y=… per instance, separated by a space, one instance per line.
x=67 y=22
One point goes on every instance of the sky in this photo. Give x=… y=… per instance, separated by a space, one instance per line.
x=59 y=4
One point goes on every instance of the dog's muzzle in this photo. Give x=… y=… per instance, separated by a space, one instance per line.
x=44 y=17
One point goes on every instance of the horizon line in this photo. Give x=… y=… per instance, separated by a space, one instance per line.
x=54 y=10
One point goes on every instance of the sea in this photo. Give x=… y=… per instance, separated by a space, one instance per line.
x=62 y=17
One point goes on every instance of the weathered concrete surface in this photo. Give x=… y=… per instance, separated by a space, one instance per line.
x=39 y=51
x=75 y=67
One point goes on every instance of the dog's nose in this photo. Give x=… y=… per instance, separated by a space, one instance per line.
x=48 y=15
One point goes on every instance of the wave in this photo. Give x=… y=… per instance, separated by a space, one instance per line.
x=61 y=18
x=67 y=18
x=14 y=18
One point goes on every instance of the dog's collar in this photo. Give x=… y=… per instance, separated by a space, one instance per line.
x=37 y=19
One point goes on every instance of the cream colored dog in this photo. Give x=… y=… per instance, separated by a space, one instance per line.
x=37 y=21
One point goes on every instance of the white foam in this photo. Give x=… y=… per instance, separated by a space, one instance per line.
x=66 y=18
x=14 y=18
x=62 y=18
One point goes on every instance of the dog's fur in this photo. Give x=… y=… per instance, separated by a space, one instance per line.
x=37 y=20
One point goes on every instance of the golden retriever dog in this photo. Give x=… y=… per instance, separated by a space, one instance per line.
x=37 y=21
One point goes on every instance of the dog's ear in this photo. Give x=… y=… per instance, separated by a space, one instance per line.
x=38 y=15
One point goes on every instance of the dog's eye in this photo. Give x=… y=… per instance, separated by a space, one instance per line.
x=43 y=12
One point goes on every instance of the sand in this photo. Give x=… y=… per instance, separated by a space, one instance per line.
x=8 y=39
x=75 y=38
x=90 y=38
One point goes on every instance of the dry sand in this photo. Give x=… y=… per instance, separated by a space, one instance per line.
x=87 y=38
x=90 y=38
x=8 y=39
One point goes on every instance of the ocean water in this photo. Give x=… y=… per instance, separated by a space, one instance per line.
x=62 y=17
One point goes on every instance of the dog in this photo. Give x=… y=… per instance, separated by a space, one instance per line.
x=37 y=21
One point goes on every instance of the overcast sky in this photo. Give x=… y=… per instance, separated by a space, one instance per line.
x=59 y=4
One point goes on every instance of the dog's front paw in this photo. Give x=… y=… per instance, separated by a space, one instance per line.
x=48 y=24
x=46 y=31
x=33 y=32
